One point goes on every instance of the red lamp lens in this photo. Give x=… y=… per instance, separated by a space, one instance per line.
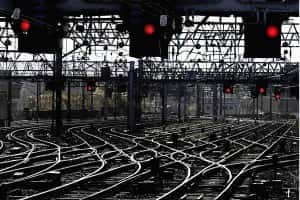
x=228 y=90
x=272 y=31
x=149 y=29
x=25 y=25
x=261 y=90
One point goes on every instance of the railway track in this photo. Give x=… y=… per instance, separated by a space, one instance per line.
x=102 y=160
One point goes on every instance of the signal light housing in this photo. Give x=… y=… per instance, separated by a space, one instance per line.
x=145 y=41
x=39 y=34
x=277 y=94
x=49 y=85
x=105 y=73
x=35 y=38
x=55 y=84
x=228 y=88
x=277 y=97
x=147 y=37
x=263 y=40
x=91 y=86
x=254 y=93
x=261 y=88
x=121 y=88
x=295 y=92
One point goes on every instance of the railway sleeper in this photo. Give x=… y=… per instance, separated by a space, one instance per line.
x=146 y=186
x=194 y=196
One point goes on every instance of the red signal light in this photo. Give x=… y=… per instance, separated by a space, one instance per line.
x=89 y=88
x=149 y=29
x=228 y=90
x=262 y=90
x=25 y=25
x=272 y=31
x=277 y=94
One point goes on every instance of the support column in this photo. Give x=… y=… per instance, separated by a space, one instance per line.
x=257 y=107
x=261 y=103
x=115 y=99
x=131 y=99
x=239 y=108
x=164 y=103
x=58 y=91
x=198 y=104
x=83 y=96
x=180 y=91
x=38 y=93
x=105 y=102
x=9 y=88
x=271 y=92
x=253 y=108
x=203 y=100
x=138 y=87
x=92 y=101
x=221 y=100
x=185 y=101
x=224 y=105
x=215 y=101
x=53 y=111
x=287 y=102
x=69 y=101
x=9 y=100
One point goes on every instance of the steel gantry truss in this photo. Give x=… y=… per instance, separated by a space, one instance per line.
x=214 y=45
x=209 y=51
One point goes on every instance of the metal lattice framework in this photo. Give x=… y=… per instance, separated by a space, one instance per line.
x=211 y=50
